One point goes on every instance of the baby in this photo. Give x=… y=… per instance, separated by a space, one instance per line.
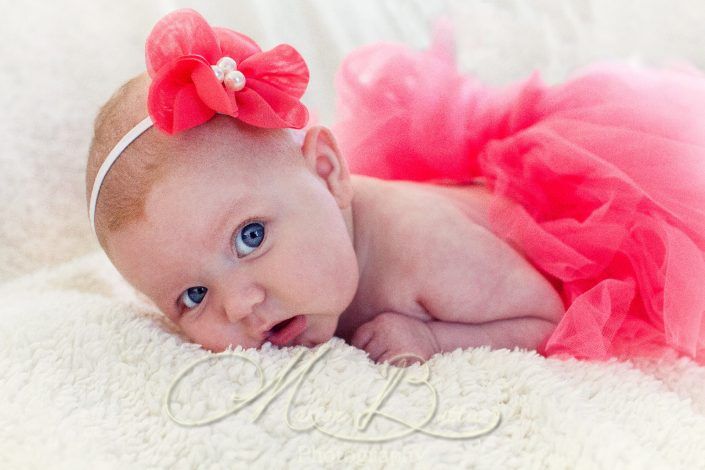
x=574 y=224
x=242 y=235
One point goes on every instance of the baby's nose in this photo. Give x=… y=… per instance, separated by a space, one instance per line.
x=241 y=303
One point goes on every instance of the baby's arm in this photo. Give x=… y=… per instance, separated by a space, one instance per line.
x=390 y=334
x=465 y=274
x=522 y=332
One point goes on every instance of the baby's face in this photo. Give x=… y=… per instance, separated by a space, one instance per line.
x=230 y=247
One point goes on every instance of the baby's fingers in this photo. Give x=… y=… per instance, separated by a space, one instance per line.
x=365 y=338
x=362 y=335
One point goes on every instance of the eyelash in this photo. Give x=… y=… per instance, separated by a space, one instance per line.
x=183 y=310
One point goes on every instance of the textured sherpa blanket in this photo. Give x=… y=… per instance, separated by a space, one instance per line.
x=87 y=370
x=91 y=376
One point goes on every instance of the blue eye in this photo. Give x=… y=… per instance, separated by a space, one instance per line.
x=249 y=238
x=193 y=296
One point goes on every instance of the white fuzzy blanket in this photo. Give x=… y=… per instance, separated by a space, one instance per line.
x=86 y=365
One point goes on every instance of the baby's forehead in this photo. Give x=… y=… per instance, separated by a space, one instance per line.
x=224 y=141
x=209 y=162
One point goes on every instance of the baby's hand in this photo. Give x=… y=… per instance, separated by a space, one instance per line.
x=390 y=334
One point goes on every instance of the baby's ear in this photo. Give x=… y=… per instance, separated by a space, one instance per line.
x=323 y=158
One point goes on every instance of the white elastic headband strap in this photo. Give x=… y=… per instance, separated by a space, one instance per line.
x=135 y=132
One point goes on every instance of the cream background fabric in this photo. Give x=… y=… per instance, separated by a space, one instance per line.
x=86 y=364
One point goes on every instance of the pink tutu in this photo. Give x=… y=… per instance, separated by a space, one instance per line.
x=604 y=174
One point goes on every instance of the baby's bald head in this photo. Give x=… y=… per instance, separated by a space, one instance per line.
x=124 y=189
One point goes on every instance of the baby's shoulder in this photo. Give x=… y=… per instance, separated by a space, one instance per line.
x=418 y=230
x=421 y=215
x=430 y=224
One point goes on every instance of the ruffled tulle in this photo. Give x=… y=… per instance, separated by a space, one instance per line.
x=603 y=179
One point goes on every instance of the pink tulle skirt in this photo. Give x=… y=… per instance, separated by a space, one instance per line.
x=603 y=178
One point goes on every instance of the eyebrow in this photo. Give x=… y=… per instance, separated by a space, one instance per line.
x=238 y=201
x=218 y=226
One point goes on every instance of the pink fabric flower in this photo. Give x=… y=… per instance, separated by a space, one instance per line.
x=188 y=87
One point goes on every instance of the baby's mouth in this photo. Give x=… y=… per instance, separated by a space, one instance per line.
x=279 y=326
x=284 y=332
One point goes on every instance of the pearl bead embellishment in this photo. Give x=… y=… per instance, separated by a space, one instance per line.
x=218 y=73
x=234 y=80
x=226 y=72
x=227 y=64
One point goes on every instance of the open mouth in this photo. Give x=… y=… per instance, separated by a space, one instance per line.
x=284 y=332
x=281 y=325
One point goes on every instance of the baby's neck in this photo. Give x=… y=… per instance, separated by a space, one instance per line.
x=355 y=217
x=359 y=217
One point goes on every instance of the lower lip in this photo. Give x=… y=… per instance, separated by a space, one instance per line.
x=293 y=329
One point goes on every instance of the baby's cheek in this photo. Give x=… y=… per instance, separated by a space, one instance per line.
x=294 y=271
x=342 y=275
x=317 y=271
x=327 y=272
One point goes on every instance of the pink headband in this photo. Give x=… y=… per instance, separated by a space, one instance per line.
x=198 y=71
